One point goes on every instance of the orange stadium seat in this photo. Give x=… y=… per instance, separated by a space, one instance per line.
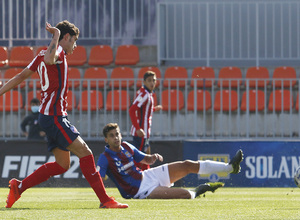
x=97 y=77
x=203 y=76
x=90 y=99
x=175 y=72
x=100 y=55
x=256 y=100
x=11 y=100
x=38 y=50
x=78 y=57
x=74 y=77
x=3 y=56
x=226 y=100
x=127 y=55
x=71 y=99
x=172 y=99
x=284 y=72
x=117 y=100
x=280 y=100
x=35 y=79
x=255 y=73
x=143 y=70
x=201 y=104
x=20 y=56
x=124 y=73
x=30 y=95
x=230 y=73
x=11 y=72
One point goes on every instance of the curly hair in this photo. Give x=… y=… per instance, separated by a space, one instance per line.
x=67 y=27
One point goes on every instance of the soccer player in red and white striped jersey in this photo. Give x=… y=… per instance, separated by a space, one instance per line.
x=141 y=112
x=63 y=137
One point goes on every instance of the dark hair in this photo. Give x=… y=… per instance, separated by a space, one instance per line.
x=67 y=27
x=149 y=73
x=109 y=127
x=35 y=101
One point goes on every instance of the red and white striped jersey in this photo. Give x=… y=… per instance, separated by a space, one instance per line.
x=141 y=112
x=54 y=83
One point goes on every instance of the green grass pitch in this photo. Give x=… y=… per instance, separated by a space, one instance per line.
x=225 y=203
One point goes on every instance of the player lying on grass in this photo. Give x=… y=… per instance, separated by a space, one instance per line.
x=117 y=162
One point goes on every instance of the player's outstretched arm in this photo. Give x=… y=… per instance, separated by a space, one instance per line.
x=16 y=80
x=152 y=158
x=50 y=56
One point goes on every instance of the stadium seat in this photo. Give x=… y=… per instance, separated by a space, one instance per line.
x=143 y=70
x=100 y=55
x=20 y=56
x=38 y=50
x=11 y=72
x=3 y=56
x=256 y=100
x=171 y=98
x=71 y=99
x=281 y=99
x=172 y=74
x=121 y=77
x=253 y=75
x=96 y=100
x=203 y=77
x=284 y=72
x=230 y=73
x=201 y=104
x=127 y=55
x=226 y=100
x=97 y=77
x=34 y=79
x=30 y=95
x=13 y=101
x=117 y=100
x=74 y=77
x=78 y=57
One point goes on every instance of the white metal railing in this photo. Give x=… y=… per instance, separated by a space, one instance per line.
x=229 y=32
x=112 y=22
x=184 y=121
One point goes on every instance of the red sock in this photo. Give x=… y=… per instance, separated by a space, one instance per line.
x=43 y=173
x=87 y=165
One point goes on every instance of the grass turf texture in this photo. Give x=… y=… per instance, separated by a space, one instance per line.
x=225 y=203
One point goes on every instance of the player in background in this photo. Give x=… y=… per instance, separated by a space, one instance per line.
x=141 y=112
x=117 y=162
x=63 y=138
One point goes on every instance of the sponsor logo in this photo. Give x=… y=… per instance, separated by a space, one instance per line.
x=22 y=166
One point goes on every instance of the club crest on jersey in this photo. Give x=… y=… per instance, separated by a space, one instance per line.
x=127 y=154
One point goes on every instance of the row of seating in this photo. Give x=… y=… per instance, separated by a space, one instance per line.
x=201 y=76
x=99 y=55
x=173 y=99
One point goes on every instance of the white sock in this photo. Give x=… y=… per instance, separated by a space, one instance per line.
x=193 y=194
x=210 y=166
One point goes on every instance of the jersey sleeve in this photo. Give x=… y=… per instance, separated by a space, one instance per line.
x=102 y=165
x=136 y=106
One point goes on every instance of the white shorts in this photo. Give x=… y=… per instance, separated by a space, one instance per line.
x=152 y=178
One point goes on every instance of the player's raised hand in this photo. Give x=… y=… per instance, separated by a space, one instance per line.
x=52 y=30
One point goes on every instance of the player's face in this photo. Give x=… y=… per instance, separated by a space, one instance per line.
x=150 y=82
x=114 y=138
x=71 y=44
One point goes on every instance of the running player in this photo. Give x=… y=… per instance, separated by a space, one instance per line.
x=63 y=138
x=141 y=112
x=117 y=162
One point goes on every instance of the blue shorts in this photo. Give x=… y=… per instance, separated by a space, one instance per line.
x=60 y=133
x=141 y=143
